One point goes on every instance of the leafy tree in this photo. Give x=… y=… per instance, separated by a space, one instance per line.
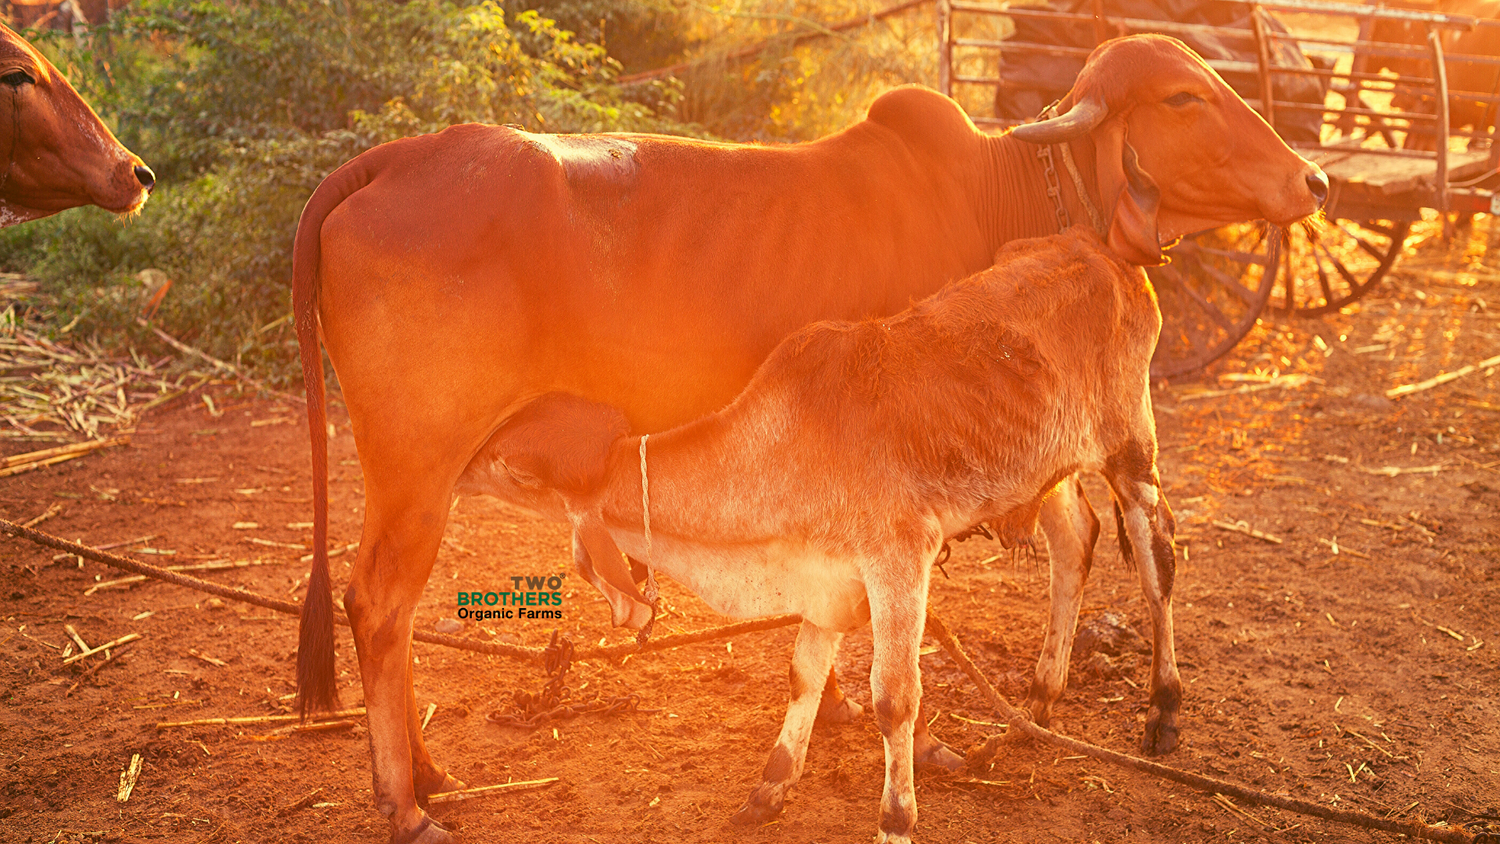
x=244 y=106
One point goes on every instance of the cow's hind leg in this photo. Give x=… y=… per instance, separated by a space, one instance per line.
x=1072 y=529
x=928 y=749
x=427 y=777
x=812 y=662
x=397 y=549
x=1147 y=540
x=834 y=708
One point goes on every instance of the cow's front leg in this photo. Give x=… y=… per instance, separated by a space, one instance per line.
x=1072 y=529
x=812 y=662
x=396 y=553
x=1146 y=538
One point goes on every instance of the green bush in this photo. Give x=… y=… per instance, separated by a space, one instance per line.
x=244 y=107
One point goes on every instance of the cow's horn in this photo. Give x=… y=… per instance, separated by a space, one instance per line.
x=1079 y=121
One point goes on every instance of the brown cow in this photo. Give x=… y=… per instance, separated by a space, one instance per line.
x=828 y=487
x=58 y=154
x=456 y=277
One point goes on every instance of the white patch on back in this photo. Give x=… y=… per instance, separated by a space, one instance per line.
x=589 y=157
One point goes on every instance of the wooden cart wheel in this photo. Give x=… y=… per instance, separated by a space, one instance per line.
x=1211 y=294
x=1327 y=266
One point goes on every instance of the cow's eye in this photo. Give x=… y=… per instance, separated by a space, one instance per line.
x=16 y=78
x=1182 y=98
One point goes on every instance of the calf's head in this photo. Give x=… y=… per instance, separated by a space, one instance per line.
x=562 y=443
x=56 y=152
x=1175 y=150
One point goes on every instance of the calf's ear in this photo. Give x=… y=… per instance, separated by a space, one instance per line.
x=604 y=566
x=1134 y=194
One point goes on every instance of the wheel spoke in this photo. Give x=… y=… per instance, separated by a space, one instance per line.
x=1234 y=255
x=1318 y=251
x=1208 y=308
x=1353 y=282
x=1228 y=282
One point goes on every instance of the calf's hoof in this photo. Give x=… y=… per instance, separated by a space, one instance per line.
x=892 y=838
x=427 y=831
x=755 y=814
x=1161 y=733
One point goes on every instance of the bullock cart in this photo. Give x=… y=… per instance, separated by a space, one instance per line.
x=1362 y=90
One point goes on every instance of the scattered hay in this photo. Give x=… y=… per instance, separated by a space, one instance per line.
x=52 y=391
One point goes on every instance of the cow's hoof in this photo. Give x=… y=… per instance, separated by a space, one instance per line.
x=839 y=711
x=755 y=814
x=448 y=783
x=1039 y=707
x=1161 y=734
x=939 y=755
x=428 y=831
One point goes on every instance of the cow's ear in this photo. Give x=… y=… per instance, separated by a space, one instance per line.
x=1131 y=196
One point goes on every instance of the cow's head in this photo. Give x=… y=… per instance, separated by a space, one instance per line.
x=561 y=443
x=1175 y=150
x=55 y=151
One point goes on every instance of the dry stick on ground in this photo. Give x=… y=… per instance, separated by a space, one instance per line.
x=260 y=719
x=51 y=511
x=486 y=790
x=1244 y=527
x=227 y=367
x=1436 y=380
x=94 y=669
x=532 y=655
x=127 y=638
x=222 y=565
x=1211 y=785
x=20 y=463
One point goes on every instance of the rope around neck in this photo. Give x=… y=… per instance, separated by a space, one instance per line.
x=652 y=592
x=646 y=506
x=1095 y=217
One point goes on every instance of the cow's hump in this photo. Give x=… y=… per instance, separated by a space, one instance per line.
x=923 y=116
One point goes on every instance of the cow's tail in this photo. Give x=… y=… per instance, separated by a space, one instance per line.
x=316 y=685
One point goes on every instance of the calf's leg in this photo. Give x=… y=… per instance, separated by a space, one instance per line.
x=1072 y=529
x=927 y=749
x=897 y=588
x=812 y=662
x=1147 y=540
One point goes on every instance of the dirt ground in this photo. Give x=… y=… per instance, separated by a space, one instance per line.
x=1354 y=663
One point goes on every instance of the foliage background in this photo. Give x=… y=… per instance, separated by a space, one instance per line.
x=243 y=106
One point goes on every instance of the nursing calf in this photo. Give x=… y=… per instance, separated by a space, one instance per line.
x=828 y=487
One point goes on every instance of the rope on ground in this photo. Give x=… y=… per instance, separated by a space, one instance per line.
x=535 y=656
x=1022 y=722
